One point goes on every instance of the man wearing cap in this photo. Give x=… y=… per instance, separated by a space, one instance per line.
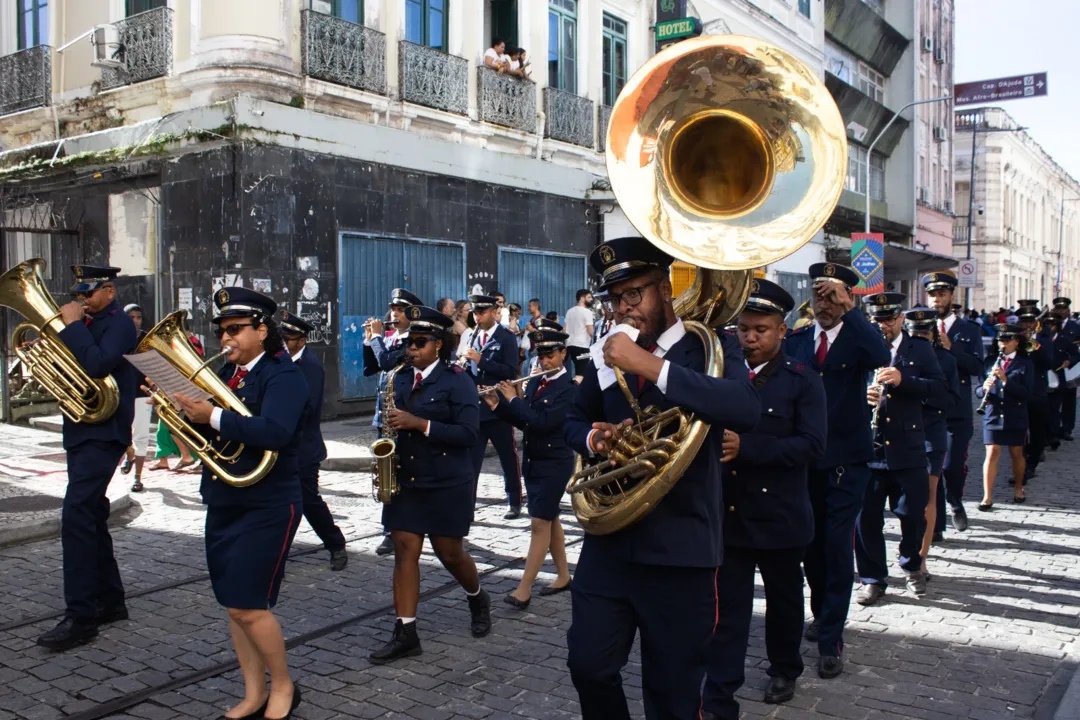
x=768 y=520
x=1041 y=355
x=493 y=357
x=294 y=331
x=383 y=354
x=657 y=576
x=1066 y=355
x=1069 y=330
x=963 y=339
x=98 y=333
x=899 y=471
x=140 y=426
x=842 y=346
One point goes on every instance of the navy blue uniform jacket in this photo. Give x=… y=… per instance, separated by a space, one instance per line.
x=446 y=397
x=1064 y=350
x=902 y=437
x=765 y=492
x=312 y=448
x=498 y=361
x=967 y=350
x=541 y=419
x=686 y=528
x=1006 y=408
x=1043 y=360
x=940 y=407
x=276 y=394
x=100 y=348
x=378 y=360
x=859 y=349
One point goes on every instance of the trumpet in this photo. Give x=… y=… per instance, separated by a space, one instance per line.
x=484 y=389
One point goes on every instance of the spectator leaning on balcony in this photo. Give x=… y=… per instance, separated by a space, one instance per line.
x=494 y=57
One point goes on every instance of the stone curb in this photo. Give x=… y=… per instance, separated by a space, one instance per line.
x=1069 y=709
x=31 y=530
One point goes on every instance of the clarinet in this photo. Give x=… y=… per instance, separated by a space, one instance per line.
x=981 y=410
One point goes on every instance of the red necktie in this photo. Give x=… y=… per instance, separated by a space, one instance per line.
x=1005 y=365
x=234 y=381
x=419 y=377
x=543 y=384
x=641 y=379
x=752 y=374
x=822 y=350
x=87 y=320
x=483 y=340
x=943 y=327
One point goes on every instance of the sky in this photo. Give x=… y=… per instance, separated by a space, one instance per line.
x=1000 y=38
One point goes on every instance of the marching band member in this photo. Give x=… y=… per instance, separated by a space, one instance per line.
x=899 y=471
x=963 y=339
x=549 y=461
x=657 y=576
x=1066 y=355
x=437 y=422
x=1042 y=358
x=249 y=529
x=383 y=354
x=843 y=346
x=98 y=333
x=768 y=520
x=921 y=323
x=1007 y=390
x=1062 y=310
x=294 y=331
x=493 y=357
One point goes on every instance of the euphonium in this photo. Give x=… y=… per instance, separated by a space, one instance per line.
x=170 y=338
x=384 y=484
x=80 y=397
x=728 y=153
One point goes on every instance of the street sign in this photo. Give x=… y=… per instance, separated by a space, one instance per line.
x=968 y=273
x=867 y=259
x=677 y=29
x=998 y=89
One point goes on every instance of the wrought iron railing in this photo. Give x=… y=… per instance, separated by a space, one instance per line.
x=343 y=52
x=569 y=117
x=146 y=49
x=603 y=115
x=506 y=99
x=26 y=79
x=431 y=77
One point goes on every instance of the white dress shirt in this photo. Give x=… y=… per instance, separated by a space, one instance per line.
x=424 y=376
x=299 y=353
x=948 y=320
x=215 y=416
x=895 y=345
x=830 y=335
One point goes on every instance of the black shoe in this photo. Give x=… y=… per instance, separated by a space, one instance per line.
x=937 y=537
x=1019 y=500
x=386 y=548
x=830 y=666
x=257 y=715
x=1067 y=437
x=514 y=602
x=513 y=514
x=813 y=631
x=137 y=486
x=480 y=608
x=116 y=613
x=404 y=643
x=550 y=590
x=959 y=519
x=869 y=595
x=68 y=634
x=1042 y=456
x=916 y=583
x=1055 y=445
x=985 y=507
x=295 y=704
x=339 y=559
x=779 y=690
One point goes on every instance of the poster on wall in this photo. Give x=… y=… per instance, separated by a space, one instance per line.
x=868 y=261
x=184 y=299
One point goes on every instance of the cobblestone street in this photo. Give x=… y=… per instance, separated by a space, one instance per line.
x=995 y=637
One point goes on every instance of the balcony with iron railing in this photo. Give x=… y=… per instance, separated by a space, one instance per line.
x=146 y=49
x=433 y=78
x=26 y=79
x=568 y=117
x=342 y=52
x=506 y=100
x=603 y=116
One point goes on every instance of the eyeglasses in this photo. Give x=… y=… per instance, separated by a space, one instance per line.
x=231 y=330
x=631 y=297
x=417 y=342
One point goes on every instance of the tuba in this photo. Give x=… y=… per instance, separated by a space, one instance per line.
x=806 y=315
x=384 y=485
x=80 y=397
x=170 y=338
x=727 y=153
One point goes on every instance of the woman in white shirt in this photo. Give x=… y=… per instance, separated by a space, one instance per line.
x=493 y=56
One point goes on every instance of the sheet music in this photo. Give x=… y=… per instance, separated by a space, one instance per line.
x=604 y=374
x=167 y=378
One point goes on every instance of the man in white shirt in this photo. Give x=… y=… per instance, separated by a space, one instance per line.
x=579 y=327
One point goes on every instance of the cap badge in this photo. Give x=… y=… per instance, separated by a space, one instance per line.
x=223 y=297
x=78 y=271
x=285 y=315
x=830 y=271
x=414 y=313
x=754 y=286
x=607 y=255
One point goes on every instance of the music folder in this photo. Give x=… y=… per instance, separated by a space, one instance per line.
x=155 y=368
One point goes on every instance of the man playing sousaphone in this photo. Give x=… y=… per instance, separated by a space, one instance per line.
x=657 y=576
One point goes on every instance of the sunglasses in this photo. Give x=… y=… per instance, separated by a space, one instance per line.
x=417 y=342
x=232 y=330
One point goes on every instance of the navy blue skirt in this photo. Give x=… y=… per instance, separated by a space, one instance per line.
x=1006 y=438
x=438 y=511
x=246 y=549
x=545 y=483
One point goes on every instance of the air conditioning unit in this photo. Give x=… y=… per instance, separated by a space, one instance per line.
x=939 y=54
x=108 y=52
x=939 y=133
x=927 y=44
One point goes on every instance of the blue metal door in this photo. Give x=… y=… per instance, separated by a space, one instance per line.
x=370 y=268
x=554 y=278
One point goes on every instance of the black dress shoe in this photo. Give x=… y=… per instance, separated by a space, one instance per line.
x=295 y=703
x=68 y=634
x=1019 y=500
x=513 y=514
x=404 y=643
x=257 y=715
x=959 y=520
x=829 y=666
x=869 y=595
x=813 y=631
x=1067 y=437
x=779 y=690
x=116 y=613
x=551 y=590
x=916 y=583
x=386 y=548
x=514 y=602
x=985 y=507
x=480 y=609
x=339 y=559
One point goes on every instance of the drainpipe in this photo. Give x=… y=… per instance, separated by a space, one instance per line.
x=541 y=118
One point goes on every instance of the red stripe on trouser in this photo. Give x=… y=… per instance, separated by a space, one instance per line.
x=284 y=550
x=716 y=623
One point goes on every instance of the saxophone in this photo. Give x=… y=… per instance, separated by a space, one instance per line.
x=384 y=485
